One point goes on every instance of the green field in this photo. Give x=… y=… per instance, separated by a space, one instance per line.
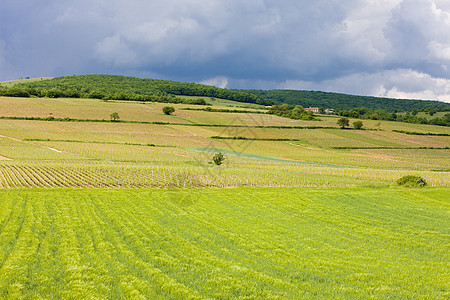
x=285 y=243
x=136 y=209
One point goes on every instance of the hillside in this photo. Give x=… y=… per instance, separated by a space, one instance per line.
x=123 y=88
x=134 y=208
x=73 y=142
x=346 y=102
x=131 y=88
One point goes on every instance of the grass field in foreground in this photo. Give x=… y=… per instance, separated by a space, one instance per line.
x=285 y=243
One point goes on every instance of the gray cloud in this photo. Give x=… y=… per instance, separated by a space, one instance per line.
x=399 y=83
x=256 y=43
x=418 y=32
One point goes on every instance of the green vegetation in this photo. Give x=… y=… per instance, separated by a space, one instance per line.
x=92 y=207
x=114 y=116
x=292 y=112
x=421 y=133
x=111 y=87
x=346 y=102
x=227 y=110
x=358 y=124
x=343 y=122
x=288 y=243
x=168 y=110
x=412 y=181
x=372 y=114
x=218 y=158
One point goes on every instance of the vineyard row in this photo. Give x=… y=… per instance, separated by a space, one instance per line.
x=139 y=176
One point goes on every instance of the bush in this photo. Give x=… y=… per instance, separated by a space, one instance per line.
x=358 y=124
x=198 y=101
x=343 y=122
x=168 y=110
x=114 y=116
x=218 y=158
x=412 y=181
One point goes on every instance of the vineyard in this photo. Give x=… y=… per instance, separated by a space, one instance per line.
x=136 y=208
x=149 y=176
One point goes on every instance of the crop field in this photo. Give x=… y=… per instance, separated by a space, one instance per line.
x=285 y=243
x=111 y=147
x=115 y=146
x=136 y=209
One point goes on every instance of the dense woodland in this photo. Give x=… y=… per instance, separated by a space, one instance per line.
x=346 y=102
x=112 y=87
x=295 y=112
x=381 y=114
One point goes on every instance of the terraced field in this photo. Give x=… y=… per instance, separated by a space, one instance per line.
x=224 y=243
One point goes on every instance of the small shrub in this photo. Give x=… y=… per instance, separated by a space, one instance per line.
x=168 y=110
x=358 y=124
x=218 y=158
x=343 y=122
x=114 y=116
x=412 y=181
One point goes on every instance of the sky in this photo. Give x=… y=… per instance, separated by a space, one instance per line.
x=387 y=48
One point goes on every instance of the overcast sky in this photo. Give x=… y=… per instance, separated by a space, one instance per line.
x=394 y=48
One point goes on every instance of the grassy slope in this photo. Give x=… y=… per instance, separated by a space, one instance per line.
x=225 y=243
x=14 y=82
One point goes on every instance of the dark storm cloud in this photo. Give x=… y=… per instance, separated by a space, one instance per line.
x=327 y=45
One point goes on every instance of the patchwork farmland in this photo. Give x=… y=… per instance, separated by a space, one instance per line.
x=92 y=208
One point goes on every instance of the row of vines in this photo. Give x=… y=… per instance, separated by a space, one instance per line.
x=149 y=176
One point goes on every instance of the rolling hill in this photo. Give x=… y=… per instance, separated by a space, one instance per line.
x=345 y=101
x=134 y=208
x=132 y=88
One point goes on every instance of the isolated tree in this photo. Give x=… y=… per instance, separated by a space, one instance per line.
x=358 y=124
x=114 y=116
x=343 y=122
x=168 y=110
x=218 y=158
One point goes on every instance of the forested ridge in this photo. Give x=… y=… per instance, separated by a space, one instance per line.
x=114 y=87
x=347 y=102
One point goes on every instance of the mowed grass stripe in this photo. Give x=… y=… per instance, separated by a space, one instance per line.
x=224 y=243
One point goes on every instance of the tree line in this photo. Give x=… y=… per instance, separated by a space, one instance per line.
x=113 y=87
x=381 y=114
x=339 y=101
x=296 y=112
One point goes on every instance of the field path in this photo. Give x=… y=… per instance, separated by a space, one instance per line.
x=264 y=157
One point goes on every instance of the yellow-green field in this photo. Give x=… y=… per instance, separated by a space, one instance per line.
x=137 y=210
x=330 y=156
x=241 y=243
